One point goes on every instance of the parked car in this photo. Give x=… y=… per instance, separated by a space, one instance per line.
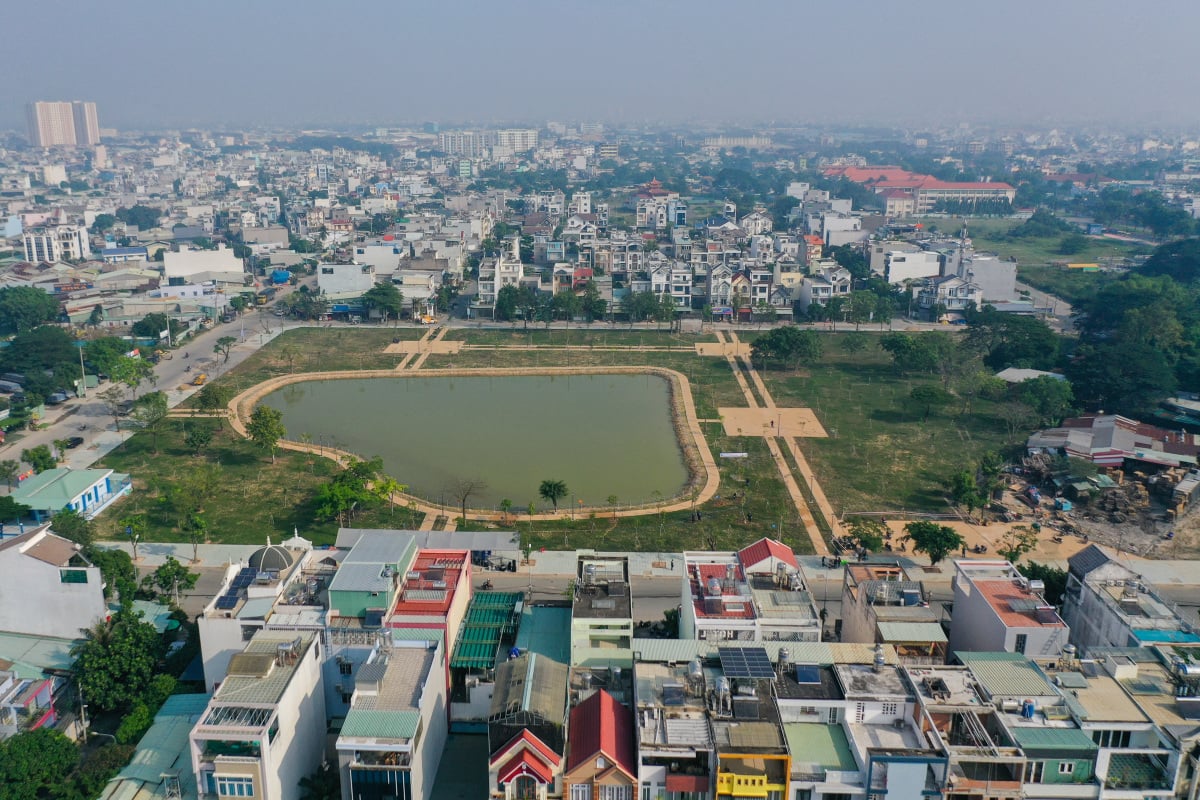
x=74 y=442
x=56 y=399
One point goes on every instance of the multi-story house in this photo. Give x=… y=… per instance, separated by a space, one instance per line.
x=391 y=741
x=1109 y=605
x=675 y=745
x=756 y=594
x=996 y=608
x=264 y=729
x=601 y=611
x=57 y=243
x=824 y=285
x=602 y=759
x=882 y=605
x=49 y=575
x=673 y=278
x=951 y=292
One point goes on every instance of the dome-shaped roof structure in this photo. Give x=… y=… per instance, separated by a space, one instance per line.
x=271 y=558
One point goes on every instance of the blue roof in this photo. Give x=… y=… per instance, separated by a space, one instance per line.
x=1153 y=637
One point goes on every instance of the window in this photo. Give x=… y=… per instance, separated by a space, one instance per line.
x=345 y=667
x=248 y=632
x=1066 y=767
x=235 y=787
x=581 y=791
x=833 y=716
x=616 y=793
x=860 y=712
x=72 y=576
x=1019 y=645
x=890 y=709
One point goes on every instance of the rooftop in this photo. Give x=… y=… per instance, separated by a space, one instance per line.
x=430 y=583
x=719 y=589
x=59 y=487
x=945 y=686
x=1017 y=606
x=808 y=682
x=546 y=630
x=816 y=748
x=260 y=674
x=163 y=750
x=1007 y=675
x=671 y=706
x=862 y=681
x=1099 y=697
x=602 y=589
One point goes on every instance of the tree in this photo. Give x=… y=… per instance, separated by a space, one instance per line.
x=1016 y=542
x=854 y=342
x=224 y=346
x=170 y=579
x=386 y=488
x=266 y=428
x=386 y=299
x=323 y=784
x=505 y=507
x=929 y=395
x=11 y=510
x=198 y=438
x=9 y=470
x=132 y=372
x=143 y=217
x=506 y=303
x=114 y=400
x=862 y=307
x=463 y=488
x=213 y=397
x=1178 y=260
x=1016 y=416
x=934 y=540
x=553 y=491
x=787 y=344
x=965 y=491
x=40 y=458
x=1054 y=578
x=869 y=532
x=115 y=662
x=117 y=570
x=151 y=415
x=348 y=490
x=1072 y=244
x=151 y=326
x=31 y=762
x=70 y=524
x=1051 y=398
x=23 y=308
x=103 y=353
x=1011 y=340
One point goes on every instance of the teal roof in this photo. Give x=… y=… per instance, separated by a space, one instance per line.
x=505 y=600
x=156 y=614
x=494 y=617
x=363 y=724
x=57 y=488
x=164 y=749
x=476 y=648
x=30 y=655
x=546 y=630
x=1007 y=674
x=816 y=747
x=1045 y=740
x=907 y=632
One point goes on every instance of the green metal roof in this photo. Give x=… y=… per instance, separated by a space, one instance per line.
x=1008 y=674
x=814 y=745
x=361 y=724
x=546 y=630
x=57 y=488
x=493 y=617
x=905 y=632
x=505 y=600
x=1053 y=739
x=32 y=654
x=476 y=653
x=164 y=748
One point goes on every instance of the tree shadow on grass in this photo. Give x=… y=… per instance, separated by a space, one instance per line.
x=891 y=416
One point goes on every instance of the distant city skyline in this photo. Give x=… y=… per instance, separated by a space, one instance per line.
x=152 y=65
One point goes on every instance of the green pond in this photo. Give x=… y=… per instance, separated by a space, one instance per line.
x=600 y=434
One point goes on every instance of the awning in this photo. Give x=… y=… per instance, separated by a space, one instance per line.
x=526 y=764
x=687 y=783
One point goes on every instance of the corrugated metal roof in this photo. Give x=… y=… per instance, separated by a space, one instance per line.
x=1038 y=738
x=476 y=541
x=256 y=608
x=360 y=578
x=163 y=749
x=682 y=650
x=911 y=632
x=361 y=724
x=382 y=547
x=1008 y=674
x=479 y=654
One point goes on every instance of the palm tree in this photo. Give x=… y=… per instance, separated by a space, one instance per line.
x=506 y=506
x=553 y=491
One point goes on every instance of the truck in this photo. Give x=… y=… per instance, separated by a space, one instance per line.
x=264 y=296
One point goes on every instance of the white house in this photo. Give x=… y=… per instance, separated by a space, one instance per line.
x=193 y=265
x=824 y=285
x=264 y=729
x=48 y=587
x=996 y=608
x=342 y=281
x=88 y=491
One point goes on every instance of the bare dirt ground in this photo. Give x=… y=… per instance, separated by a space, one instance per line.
x=798 y=422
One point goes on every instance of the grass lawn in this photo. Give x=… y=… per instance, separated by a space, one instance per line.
x=1071 y=285
x=598 y=335
x=880 y=454
x=988 y=235
x=255 y=498
x=317 y=349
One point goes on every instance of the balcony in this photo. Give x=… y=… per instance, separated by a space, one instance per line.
x=1137 y=772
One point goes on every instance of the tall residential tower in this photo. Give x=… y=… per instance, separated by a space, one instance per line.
x=62 y=124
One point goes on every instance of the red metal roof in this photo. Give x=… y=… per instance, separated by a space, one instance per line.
x=602 y=726
x=526 y=763
x=450 y=563
x=687 y=783
x=766 y=548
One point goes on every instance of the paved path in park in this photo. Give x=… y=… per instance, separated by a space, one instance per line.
x=785 y=471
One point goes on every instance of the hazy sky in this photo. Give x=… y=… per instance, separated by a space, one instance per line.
x=170 y=63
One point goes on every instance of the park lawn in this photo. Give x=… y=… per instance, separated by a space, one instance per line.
x=256 y=499
x=988 y=235
x=315 y=350
x=760 y=495
x=1072 y=285
x=880 y=454
x=597 y=335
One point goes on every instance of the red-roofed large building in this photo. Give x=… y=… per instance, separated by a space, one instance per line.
x=913 y=193
x=757 y=594
x=601 y=753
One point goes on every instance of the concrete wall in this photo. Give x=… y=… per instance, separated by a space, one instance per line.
x=30 y=585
